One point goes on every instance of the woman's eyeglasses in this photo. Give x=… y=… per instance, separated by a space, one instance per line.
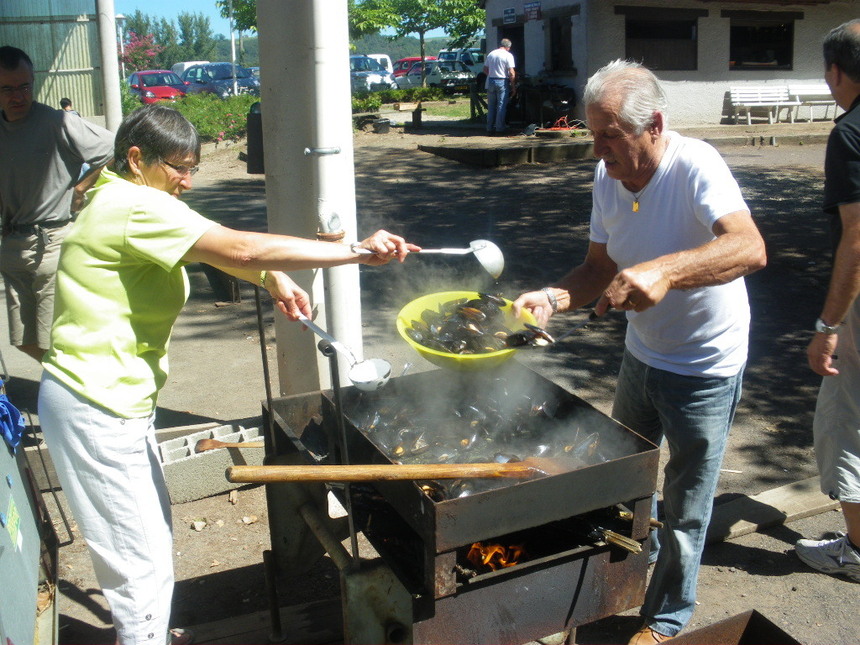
x=182 y=170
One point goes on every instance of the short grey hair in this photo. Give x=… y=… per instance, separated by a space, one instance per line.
x=642 y=93
x=842 y=47
x=505 y=43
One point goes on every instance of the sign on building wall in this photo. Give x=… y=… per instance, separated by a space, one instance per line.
x=509 y=16
x=532 y=10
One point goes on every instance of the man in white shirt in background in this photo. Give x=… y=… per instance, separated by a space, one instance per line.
x=499 y=68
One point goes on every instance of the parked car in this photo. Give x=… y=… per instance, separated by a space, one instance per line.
x=472 y=57
x=367 y=75
x=179 y=68
x=452 y=76
x=217 y=78
x=156 y=85
x=402 y=66
x=384 y=60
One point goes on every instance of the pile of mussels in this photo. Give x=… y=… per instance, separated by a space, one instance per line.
x=472 y=326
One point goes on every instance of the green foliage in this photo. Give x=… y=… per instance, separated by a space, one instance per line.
x=372 y=101
x=247 y=51
x=411 y=94
x=244 y=13
x=128 y=101
x=166 y=43
x=461 y=20
x=397 y=48
x=216 y=119
x=366 y=102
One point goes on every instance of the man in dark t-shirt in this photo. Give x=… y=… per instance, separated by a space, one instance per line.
x=836 y=427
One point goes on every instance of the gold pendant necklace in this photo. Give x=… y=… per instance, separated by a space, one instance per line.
x=636 y=197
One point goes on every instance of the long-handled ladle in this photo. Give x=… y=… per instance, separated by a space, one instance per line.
x=367 y=375
x=487 y=253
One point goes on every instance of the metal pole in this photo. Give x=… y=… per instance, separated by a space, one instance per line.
x=110 y=68
x=120 y=20
x=233 y=48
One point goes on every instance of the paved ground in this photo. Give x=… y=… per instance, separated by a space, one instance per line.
x=538 y=214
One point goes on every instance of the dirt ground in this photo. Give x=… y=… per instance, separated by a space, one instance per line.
x=538 y=214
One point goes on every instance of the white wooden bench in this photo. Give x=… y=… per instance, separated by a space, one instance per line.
x=773 y=98
x=811 y=95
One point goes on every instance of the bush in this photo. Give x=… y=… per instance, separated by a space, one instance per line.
x=414 y=94
x=129 y=102
x=372 y=101
x=217 y=119
x=366 y=102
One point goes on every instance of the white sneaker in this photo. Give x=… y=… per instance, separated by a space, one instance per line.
x=830 y=556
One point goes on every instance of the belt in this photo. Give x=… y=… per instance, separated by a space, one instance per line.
x=33 y=229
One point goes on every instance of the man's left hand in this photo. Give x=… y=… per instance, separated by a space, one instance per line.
x=820 y=352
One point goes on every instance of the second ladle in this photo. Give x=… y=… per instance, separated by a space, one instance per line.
x=368 y=375
x=488 y=254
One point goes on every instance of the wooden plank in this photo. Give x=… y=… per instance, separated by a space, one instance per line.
x=315 y=623
x=769 y=508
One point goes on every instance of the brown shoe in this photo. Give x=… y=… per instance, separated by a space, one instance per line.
x=647 y=636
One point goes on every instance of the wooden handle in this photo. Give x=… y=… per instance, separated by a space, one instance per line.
x=375 y=472
x=211 y=444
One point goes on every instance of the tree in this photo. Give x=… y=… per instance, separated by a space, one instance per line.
x=191 y=40
x=244 y=13
x=195 y=37
x=460 y=19
x=140 y=52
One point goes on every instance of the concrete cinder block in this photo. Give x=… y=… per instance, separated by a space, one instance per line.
x=191 y=475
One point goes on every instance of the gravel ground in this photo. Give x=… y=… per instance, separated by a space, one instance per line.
x=538 y=214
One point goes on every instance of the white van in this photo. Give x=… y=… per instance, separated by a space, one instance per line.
x=472 y=57
x=384 y=60
x=179 y=68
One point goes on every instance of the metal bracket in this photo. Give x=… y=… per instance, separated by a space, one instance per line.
x=322 y=151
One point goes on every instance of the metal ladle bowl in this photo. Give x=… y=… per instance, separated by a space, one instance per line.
x=367 y=375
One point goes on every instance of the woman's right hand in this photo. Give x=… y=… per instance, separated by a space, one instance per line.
x=289 y=297
x=386 y=247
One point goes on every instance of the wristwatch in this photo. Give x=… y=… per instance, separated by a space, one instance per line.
x=823 y=328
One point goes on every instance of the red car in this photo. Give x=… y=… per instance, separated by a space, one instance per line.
x=402 y=66
x=156 y=85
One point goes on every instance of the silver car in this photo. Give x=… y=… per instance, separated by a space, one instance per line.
x=451 y=75
x=367 y=75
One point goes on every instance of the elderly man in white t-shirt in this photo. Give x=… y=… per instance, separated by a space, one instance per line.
x=500 y=72
x=671 y=239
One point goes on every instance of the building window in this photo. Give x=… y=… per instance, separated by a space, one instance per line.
x=760 y=40
x=560 y=52
x=662 y=44
x=660 y=38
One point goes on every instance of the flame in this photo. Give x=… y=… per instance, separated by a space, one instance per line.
x=495 y=556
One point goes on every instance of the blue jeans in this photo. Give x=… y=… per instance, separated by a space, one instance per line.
x=695 y=415
x=497 y=103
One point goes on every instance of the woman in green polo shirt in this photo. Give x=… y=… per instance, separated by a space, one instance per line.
x=121 y=284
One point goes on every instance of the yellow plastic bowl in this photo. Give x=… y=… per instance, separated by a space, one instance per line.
x=463 y=362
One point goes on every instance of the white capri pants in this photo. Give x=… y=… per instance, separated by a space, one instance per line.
x=111 y=475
